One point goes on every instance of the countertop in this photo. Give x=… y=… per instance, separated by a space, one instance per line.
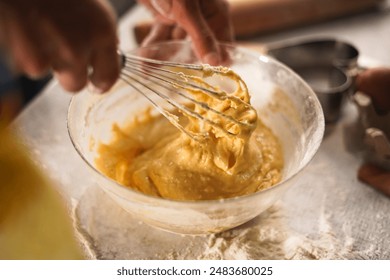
x=331 y=210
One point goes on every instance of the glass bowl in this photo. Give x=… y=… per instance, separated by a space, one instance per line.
x=283 y=100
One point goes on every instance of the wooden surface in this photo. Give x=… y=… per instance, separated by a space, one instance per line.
x=251 y=17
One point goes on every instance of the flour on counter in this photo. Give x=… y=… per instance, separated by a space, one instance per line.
x=112 y=233
x=268 y=237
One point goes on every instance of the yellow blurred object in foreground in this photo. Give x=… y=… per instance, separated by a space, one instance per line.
x=33 y=221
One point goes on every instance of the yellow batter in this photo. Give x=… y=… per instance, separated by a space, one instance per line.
x=154 y=157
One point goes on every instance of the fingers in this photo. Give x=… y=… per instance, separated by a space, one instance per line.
x=88 y=43
x=376 y=177
x=106 y=67
x=68 y=37
x=25 y=46
x=190 y=18
x=70 y=68
x=161 y=10
x=205 y=21
x=376 y=83
x=178 y=33
x=71 y=61
x=217 y=15
x=159 y=32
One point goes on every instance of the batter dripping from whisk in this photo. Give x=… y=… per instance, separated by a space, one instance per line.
x=153 y=157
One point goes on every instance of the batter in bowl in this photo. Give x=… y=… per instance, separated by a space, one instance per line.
x=154 y=157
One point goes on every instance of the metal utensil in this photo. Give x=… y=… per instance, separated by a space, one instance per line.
x=327 y=65
x=306 y=52
x=174 y=88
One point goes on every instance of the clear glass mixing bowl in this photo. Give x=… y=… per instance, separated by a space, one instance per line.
x=283 y=100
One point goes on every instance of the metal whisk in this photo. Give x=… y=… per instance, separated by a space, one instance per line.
x=179 y=85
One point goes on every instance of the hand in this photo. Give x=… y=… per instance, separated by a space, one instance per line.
x=67 y=36
x=376 y=177
x=205 y=21
x=376 y=83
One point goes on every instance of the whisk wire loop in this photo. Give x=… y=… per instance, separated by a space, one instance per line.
x=166 y=79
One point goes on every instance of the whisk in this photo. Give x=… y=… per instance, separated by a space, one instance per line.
x=183 y=87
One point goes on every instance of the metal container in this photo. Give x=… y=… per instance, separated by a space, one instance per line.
x=331 y=84
x=327 y=65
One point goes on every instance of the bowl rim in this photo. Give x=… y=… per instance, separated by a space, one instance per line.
x=201 y=203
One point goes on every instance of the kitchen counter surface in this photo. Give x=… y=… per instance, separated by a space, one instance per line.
x=330 y=200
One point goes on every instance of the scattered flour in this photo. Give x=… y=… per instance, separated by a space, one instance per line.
x=268 y=237
x=108 y=232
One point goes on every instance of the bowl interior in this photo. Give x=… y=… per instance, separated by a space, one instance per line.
x=283 y=100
